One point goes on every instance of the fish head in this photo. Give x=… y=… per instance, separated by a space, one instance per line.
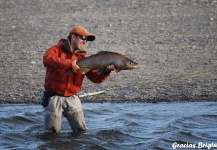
x=132 y=65
x=128 y=64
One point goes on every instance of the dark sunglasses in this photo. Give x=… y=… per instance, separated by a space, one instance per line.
x=81 y=36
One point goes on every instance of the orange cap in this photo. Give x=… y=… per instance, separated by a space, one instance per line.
x=81 y=31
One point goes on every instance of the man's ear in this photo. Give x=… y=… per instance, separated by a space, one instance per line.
x=73 y=37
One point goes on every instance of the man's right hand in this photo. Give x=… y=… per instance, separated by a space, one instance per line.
x=75 y=67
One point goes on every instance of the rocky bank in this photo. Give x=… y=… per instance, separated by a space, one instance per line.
x=174 y=42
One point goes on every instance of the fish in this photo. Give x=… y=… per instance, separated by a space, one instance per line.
x=102 y=59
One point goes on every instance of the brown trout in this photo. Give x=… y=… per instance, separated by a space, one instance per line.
x=103 y=59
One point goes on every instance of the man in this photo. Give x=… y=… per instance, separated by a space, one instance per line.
x=64 y=79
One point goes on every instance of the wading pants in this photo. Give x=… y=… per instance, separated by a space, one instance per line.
x=72 y=110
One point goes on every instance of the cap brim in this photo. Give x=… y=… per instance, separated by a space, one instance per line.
x=91 y=38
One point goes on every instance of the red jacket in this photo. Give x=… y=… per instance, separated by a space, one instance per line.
x=58 y=60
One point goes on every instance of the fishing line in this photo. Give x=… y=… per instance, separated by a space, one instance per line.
x=143 y=84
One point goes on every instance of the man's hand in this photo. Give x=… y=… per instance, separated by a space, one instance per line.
x=75 y=67
x=110 y=68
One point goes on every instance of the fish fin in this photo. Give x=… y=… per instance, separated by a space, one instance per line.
x=99 y=71
x=84 y=70
x=100 y=52
x=68 y=71
x=116 y=70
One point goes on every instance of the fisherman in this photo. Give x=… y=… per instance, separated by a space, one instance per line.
x=64 y=79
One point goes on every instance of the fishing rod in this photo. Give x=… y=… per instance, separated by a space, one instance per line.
x=91 y=94
x=100 y=92
x=144 y=84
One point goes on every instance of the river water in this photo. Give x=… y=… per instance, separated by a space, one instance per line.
x=145 y=126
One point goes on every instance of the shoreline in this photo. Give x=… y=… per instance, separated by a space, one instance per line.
x=124 y=101
x=90 y=99
x=174 y=43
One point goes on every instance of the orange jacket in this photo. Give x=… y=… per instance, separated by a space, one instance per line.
x=58 y=60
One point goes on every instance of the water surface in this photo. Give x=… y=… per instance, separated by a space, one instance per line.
x=115 y=126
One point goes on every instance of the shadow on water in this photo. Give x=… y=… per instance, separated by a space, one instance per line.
x=60 y=141
x=112 y=126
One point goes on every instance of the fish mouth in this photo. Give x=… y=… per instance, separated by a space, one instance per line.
x=136 y=66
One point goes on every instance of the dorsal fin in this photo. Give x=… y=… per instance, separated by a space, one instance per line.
x=100 y=52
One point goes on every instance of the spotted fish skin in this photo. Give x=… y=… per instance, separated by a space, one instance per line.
x=103 y=59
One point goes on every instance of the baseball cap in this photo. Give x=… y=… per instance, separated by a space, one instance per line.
x=81 y=31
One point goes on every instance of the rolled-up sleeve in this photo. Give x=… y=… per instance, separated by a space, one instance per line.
x=93 y=76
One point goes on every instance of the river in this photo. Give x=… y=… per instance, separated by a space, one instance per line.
x=133 y=125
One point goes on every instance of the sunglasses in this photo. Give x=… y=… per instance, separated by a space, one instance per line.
x=81 y=36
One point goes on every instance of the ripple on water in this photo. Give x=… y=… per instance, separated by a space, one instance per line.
x=112 y=126
x=191 y=129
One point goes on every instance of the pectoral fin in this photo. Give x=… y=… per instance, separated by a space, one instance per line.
x=116 y=70
x=100 y=70
x=85 y=70
x=68 y=71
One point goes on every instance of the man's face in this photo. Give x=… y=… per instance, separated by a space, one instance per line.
x=78 y=42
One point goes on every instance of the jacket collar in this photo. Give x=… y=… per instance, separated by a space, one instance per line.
x=68 y=47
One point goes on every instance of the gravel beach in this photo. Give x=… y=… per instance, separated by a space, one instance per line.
x=174 y=42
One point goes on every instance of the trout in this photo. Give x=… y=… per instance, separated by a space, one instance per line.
x=103 y=59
